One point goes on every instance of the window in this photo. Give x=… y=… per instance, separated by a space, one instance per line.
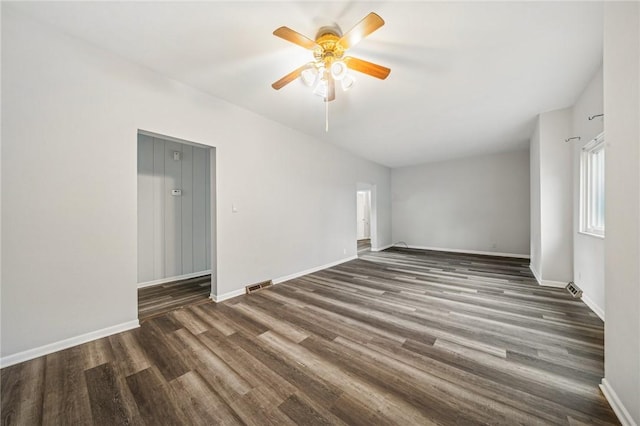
x=592 y=187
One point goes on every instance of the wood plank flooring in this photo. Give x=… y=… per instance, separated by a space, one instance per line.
x=162 y=298
x=402 y=337
x=364 y=244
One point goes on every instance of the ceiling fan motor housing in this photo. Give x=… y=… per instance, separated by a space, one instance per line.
x=329 y=29
x=328 y=49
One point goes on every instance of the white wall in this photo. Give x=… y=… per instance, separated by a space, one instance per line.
x=621 y=71
x=473 y=204
x=557 y=204
x=536 y=226
x=588 y=251
x=552 y=182
x=173 y=236
x=69 y=222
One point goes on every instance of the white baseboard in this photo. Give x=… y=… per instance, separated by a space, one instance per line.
x=593 y=306
x=547 y=283
x=27 y=355
x=228 y=295
x=486 y=253
x=235 y=293
x=585 y=298
x=555 y=284
x=618 y=408
x=171 y=279
x=535 y=275
x=312 y=270
x=382 y=248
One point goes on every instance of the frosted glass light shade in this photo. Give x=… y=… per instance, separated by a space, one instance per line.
x=338 y=70
x=347 y=82
x=322 y=88
x=309 y=76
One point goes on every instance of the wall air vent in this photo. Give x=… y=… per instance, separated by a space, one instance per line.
x=259 y=286
x=573 y=289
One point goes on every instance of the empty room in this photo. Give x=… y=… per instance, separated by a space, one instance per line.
x=279 y=212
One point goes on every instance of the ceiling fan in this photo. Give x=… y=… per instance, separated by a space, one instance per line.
x=330 y=64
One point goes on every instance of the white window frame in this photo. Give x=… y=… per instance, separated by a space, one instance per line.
x=592 y=188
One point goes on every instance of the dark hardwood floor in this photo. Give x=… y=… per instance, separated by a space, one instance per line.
x=401 y=337
x=364 y=245
x=162 y=298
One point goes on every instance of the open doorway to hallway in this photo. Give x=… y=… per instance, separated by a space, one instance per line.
x=363 y=219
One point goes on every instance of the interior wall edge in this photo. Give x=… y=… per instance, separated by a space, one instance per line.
x=593 y=306
x=536 y=275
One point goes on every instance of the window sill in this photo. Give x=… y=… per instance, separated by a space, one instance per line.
x=601 y=237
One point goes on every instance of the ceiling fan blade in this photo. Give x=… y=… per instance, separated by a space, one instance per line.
x=289 y=77
x=331 y=89
x=295 y=38
x=369 y=24
x=369 y=68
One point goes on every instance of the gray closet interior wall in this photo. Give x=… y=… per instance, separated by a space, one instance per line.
x=174 y=236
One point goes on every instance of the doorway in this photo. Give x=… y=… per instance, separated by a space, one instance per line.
x=176 y=202
x=363 y=220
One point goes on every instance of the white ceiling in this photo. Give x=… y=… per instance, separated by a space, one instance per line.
x=466 y=78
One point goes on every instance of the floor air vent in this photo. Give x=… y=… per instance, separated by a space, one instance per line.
x=573 y=289
x=255 y=287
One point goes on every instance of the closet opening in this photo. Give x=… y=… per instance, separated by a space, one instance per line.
x=176 y=224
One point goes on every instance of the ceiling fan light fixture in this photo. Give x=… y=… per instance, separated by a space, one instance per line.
x=330 y=64
x=347 y=82
x=338 y=70
x=309 y=76
x=322 y=88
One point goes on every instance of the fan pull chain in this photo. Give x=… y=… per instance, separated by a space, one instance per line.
x=326 y=115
